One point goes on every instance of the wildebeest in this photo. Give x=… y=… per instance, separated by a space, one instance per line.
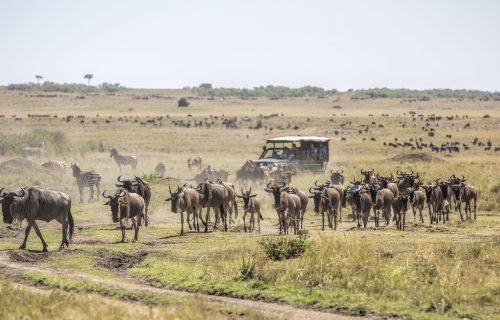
x=406 y=180
x=231 y=193
x=211 y=175
x=86 y=179
x=383 y=201
x=387 y=182
x=251 y=204
x=337 y=177
x=141 y=188
x=466 y=193
x=36 y=204
x=369 y=176
x=194 y=161
x=186 y=199
x=400 y=206
x=287 y=207
x=125 y=205
x=329 y=202
x=362 y=197
x=417 y=201
x=214 y=196
x=160 y=169
x=123 y=160
x=304 y=200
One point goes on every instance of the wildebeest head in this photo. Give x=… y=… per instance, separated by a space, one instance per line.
x=276 y=191
x=456 y=188
x=403 y=197
x=316 y=196
x=115 y=201
x=7 y=198
x=337 y=177
x=368 y=175
x=174 y=197
x=126 y=184
x=205 y=190
x=428 y=192
x=444 y=187
x=75 y=168
x=408 y=178
x=246 y=196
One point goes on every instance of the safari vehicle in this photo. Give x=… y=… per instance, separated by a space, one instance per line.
x=302 y=153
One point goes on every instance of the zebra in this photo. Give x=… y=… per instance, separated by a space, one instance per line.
x=55 y=165
x=86 y=179
x=123 y=160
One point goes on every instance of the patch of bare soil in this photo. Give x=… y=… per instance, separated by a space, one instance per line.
x=27 y=256
x=115 y=260
x=21 y=165
x=414 y=157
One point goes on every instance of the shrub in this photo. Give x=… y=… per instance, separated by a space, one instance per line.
x=183 y=102
x=247 y=269
x=496 y=187
x=283 y=248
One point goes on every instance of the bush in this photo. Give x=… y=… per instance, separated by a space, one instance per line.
x=283 y=248
x=183 y=102
x=496 y=187
x=247 y=270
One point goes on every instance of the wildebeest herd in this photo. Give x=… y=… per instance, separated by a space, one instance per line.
x=388 y=198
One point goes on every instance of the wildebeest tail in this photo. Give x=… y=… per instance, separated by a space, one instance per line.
x=344 y=199
x=260 y=216
x=71 y=223
x=235 y=207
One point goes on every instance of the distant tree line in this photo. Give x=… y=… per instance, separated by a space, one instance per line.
x=424 y=95
x=270 y=91
x=49 y=86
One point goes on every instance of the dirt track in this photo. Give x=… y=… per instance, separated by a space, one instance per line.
x=15 y=270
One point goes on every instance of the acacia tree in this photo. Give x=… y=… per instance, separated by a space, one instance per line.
x=88 y=77
x=38 y=78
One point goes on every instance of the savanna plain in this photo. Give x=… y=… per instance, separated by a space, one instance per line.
x=428 y=271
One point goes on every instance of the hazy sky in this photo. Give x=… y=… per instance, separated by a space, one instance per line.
x=333 y=44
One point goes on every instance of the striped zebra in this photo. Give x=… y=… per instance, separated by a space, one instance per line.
x=86 y=179
x=122 y=160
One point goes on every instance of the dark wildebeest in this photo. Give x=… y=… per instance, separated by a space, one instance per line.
x=383 y=201
x=417 y=201
x=214 y=196
x=304 y=200
x=36 y=204
x=369 y=176
x=337 y=177
x=435 y=201
x=406 y=180
x=231 y=193
x=362 y=197
x=160 y=169
x=194 y=161
x=387 y=182
x=400 y=206
x=466 y=193
x=329 y=202
x=140 y=187
x=251 y=204
x=86 y=179
x=123 y=160
x=125 y=205
x=186 y=199
x=287 y=207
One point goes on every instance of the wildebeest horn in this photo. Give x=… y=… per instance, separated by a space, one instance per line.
x=250 y=191
x=310 y=190
x=170 y=190
x=119 y=180
x=362 y=172
x=417 y=176
x=452 y=176
x=316 y=183
x=399 y=173
x=242 y=193
x=411 y=171
x=16 y=194
x=463 y=177
x=281 y=185
x=1 y=192
x=105 y=196
x=269 y=185
x=341 y=171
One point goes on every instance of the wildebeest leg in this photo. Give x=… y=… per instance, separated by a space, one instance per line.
x=182 y=222
x=136 y=229
x=421 y=216
x=252 y=221
x=207 y=216
x=122 y=225
x=223 y=209
x=475 y=207
x=334 y=219
x=322 y=219
x=146 y=220
x=258 y=219
x=404 y=220
x=26 y=234
x=245 y=221
x=188 y=222
x=39 y=234
x=64 y=227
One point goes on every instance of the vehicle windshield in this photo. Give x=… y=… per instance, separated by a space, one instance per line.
x=303 y=151
x=277 y=153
